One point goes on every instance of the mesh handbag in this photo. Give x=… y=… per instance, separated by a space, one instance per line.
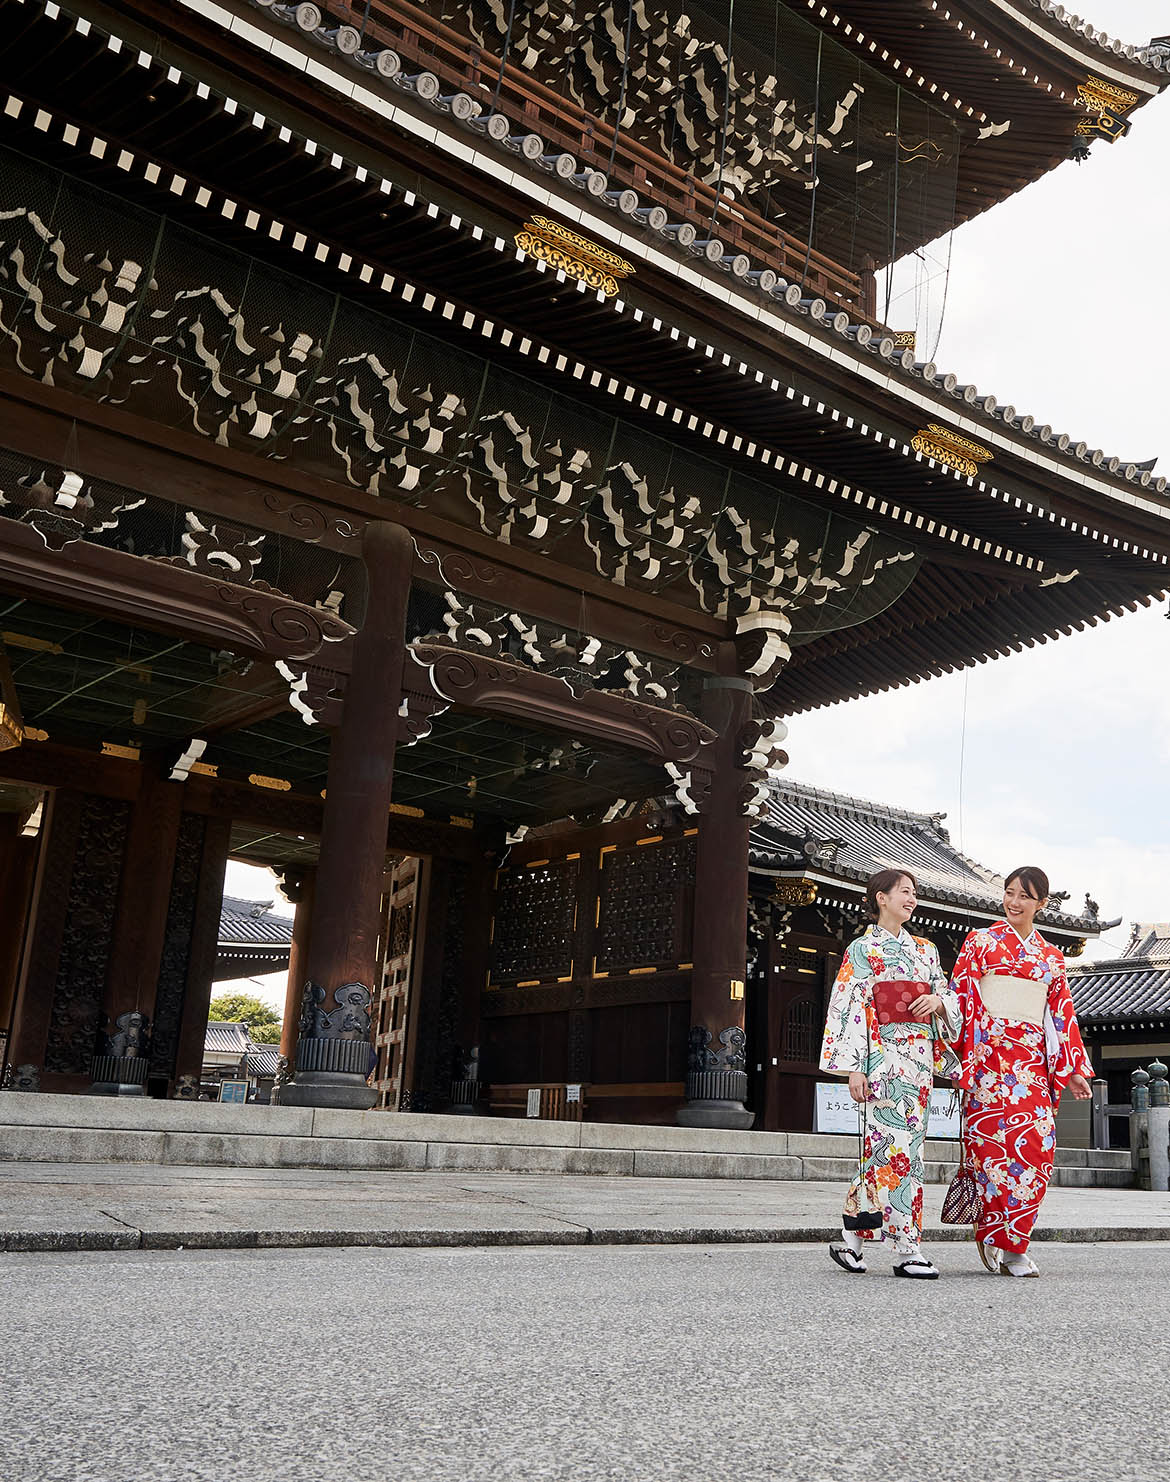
x=961 y=1204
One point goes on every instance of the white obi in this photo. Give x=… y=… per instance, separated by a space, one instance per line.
x=1020 y=999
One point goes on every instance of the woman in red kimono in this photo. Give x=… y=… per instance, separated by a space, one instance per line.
x=1019 y=1048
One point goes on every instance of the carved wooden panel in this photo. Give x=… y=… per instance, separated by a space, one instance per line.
x=85 y=943
x=536 y=912
x=645 y=906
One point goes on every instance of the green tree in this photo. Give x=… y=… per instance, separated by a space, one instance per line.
x=244 y=1008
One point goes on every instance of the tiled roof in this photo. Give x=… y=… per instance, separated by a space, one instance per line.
x=1148 y=939
x=1123 y=989
x=873 y=837
x=263 y=1060
x=252 y=923
x=225 y=1037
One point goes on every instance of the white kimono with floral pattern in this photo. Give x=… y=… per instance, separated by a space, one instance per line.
x=900 y=1062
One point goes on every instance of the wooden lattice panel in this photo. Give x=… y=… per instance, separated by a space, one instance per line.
x=643 y=914
x=398 y=903
x=536 y=914
x=802 y=1029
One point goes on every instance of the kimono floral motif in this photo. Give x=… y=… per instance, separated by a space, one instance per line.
x=1014 y=1073
x=900 y=1061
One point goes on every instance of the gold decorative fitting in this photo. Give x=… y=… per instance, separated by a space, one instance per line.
x=125 y=753
x=948 y=448
x=795 y=892
x=205 y=769
x=1096 y=93
x=459 y=822
x=11 y=715
x=1074 y=949
x=736 y=989
x=575 y=256
x=906 y=339
x=11 y=730
x=31 y=733
x=1106 y=106
x=406 y=810
x=277 y=784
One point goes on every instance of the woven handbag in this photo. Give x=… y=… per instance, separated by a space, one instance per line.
x=961 y=1204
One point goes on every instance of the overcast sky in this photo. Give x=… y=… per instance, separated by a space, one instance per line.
x=1056 y=302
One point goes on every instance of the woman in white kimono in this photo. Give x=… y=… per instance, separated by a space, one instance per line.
x=890 y=1016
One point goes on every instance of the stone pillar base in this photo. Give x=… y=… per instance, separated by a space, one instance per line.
x=119 y=1075
x=328 y=1088
x=715 y=1096
x=730 y=1114
x=464 y=1096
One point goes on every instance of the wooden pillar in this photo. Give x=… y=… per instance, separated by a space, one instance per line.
x=334 y=1047
x=33 y=1008
x=716 y=1062
x=18 y=857
x=123 y=1059
x=203 y=952
x=298 y=885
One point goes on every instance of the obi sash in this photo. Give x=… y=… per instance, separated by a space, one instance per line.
x=1020 y=999
x=892 y=998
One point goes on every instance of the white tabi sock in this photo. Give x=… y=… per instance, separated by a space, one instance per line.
x=854 y=1241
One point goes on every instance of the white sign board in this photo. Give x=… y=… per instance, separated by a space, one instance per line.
x=534 y=1101
x=836 y=1111
x=573 y=1093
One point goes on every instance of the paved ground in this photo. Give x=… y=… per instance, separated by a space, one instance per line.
x=728 y=1363
x=87 y=1206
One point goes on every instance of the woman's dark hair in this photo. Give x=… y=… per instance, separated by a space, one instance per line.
x=1033 y=879
x=882 y=883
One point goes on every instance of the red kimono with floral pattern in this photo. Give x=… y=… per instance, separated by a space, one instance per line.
x=1013 y=1073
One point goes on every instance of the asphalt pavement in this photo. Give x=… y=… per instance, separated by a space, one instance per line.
x=631 y=1363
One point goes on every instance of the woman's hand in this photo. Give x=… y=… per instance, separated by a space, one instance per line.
x=923 y=1007
x=1077 y=1084
x=858 y=1085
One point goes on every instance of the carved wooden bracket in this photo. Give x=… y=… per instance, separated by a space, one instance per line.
x=136 y=589
x=484 y=682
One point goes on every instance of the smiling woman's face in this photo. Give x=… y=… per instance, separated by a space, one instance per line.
x=1020 y=907
x=899 y=903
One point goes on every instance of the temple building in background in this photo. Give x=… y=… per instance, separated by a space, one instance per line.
x=441 y=451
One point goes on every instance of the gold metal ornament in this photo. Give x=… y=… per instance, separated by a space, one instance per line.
x=575 y=256
x=950 y=449
x=795 y=892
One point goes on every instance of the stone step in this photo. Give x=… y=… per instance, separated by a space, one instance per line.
x=92 y=1129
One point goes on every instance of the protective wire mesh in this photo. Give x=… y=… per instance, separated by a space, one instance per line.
x=749 y=98
x=115 y=303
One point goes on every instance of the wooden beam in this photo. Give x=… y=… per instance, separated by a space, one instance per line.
x=148 y=458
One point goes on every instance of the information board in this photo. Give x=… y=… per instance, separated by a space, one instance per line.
x=836 y=1110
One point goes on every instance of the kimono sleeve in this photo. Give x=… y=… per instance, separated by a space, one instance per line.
x=949 y=1019
x=965 y=979
x=1064 y=1048
x=845 y=1046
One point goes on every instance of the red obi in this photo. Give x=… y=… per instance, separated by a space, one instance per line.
x=892 y=1000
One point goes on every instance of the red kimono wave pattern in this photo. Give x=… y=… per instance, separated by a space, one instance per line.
x=1013 y=1073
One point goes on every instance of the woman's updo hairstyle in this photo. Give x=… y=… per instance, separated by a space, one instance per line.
x=882 y=883
x=1033 y=879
